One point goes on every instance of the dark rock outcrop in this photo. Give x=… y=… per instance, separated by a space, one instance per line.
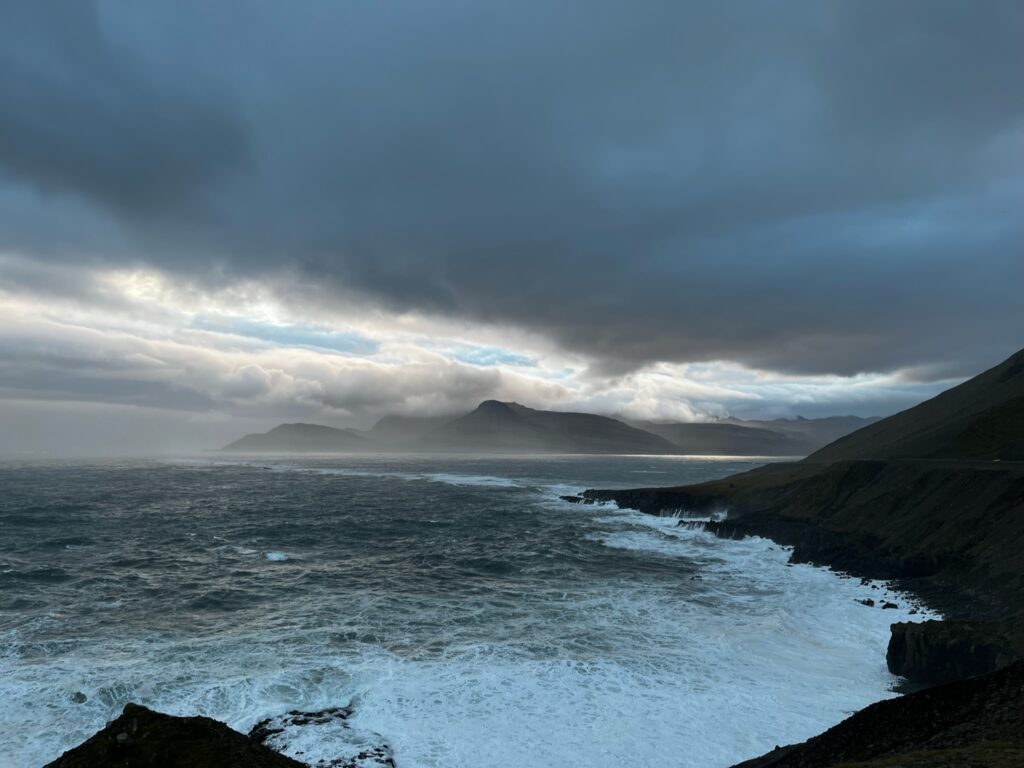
x=934 y=652
x=142 y=738
x=977 y=723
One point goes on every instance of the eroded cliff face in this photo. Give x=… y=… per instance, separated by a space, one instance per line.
x=933 y=652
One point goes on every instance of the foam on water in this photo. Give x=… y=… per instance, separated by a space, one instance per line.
x=689 y=649
x=447 y=478
x=483 y=481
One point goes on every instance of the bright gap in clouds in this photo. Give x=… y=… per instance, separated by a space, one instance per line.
x=137 y=361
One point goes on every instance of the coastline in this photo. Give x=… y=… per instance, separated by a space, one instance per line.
x=946 y=532
x=889 y=520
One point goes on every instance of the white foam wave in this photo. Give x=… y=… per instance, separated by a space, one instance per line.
x=754 y=560
x=771 y=654
x=483 y=481
x=617 y=672
x=447 y=478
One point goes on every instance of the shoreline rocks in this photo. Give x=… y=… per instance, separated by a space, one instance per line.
x=144 y=738
x=951 y=534
x=948 y=532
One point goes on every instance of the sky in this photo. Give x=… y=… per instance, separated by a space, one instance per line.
x=215 y=217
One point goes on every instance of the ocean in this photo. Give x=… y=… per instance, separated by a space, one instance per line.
x=447 y=611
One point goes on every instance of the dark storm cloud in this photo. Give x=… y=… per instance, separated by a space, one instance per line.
x=81 y=114
x=811 y=187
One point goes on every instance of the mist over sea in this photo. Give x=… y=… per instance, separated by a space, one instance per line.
x=465 y=614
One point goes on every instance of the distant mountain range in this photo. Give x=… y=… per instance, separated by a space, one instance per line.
x=497 y=427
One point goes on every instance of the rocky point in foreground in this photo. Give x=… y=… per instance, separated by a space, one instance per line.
x=142 y=738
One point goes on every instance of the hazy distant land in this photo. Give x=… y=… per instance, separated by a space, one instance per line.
x=497 y=427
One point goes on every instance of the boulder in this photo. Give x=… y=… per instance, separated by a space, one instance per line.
x=142 y=738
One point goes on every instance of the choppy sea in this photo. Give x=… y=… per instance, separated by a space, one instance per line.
x=448 y=611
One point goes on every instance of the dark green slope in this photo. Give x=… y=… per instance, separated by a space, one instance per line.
x=815 y=433
x=714 y=438
x=983 y=418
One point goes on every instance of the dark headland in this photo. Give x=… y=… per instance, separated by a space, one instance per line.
x=932 y=499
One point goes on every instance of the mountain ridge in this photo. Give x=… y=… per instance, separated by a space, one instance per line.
x=500 y=427
x=509 y=427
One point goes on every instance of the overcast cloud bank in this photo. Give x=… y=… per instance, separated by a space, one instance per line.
x=337 y=210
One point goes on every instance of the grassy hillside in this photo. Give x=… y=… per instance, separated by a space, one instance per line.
x=983 y=418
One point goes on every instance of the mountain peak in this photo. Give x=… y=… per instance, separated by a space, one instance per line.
x=499 y=404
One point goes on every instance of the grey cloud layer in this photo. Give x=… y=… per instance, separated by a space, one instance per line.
x=810 y=187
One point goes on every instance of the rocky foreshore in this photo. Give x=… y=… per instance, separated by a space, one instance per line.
x=949 y=533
